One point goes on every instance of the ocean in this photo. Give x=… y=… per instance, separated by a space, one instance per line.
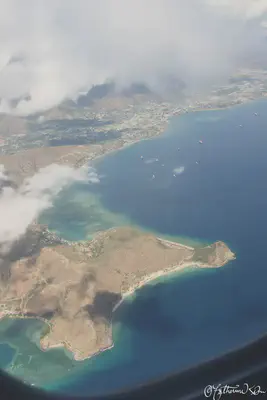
x=190 y=192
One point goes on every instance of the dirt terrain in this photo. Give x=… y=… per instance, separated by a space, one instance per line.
x=74 y=287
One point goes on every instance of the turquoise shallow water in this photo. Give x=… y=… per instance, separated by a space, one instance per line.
x=179 y=321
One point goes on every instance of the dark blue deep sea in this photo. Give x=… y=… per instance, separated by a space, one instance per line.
x=197 y=315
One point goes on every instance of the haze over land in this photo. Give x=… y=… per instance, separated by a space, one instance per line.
x=54 y=50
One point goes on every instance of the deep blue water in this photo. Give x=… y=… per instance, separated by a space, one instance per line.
x=7 y=354
x=201 y=314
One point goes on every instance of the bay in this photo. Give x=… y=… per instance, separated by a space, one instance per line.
x=219 y=192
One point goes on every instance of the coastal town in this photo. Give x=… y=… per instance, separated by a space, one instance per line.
x=114 y=122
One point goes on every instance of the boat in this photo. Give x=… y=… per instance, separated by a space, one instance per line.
x=178 y=148
x=142 y=157
x=153 y=176
x=200 y=141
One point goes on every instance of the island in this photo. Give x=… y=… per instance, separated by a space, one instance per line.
x=75 y=287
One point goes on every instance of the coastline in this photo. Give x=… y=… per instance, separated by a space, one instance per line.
x=126 y=144
x=129 y=292
x=183 y=265
x=121 y=146
x=146 y=279
x=74 y=352
x=14 y=315
x=215 y=108
x=159 y=132
x=170 y=243
x=166 y=271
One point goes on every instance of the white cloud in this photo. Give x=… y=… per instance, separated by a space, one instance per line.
x=3 y=176
x=21 y=206
x=53 y=49
x=178 y=170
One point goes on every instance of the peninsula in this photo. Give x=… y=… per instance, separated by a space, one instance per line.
x=75 y=287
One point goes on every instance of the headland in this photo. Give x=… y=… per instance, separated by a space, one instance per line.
x=76 y=287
